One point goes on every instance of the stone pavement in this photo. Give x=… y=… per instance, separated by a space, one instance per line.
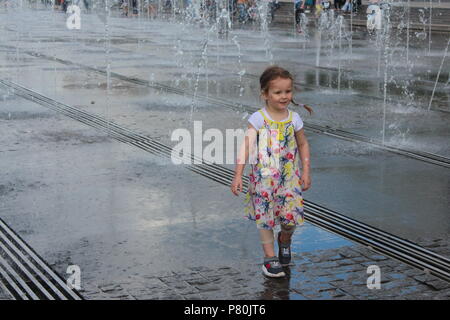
x=325 y=274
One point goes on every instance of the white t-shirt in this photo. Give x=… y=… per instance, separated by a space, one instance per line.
x=257 y=120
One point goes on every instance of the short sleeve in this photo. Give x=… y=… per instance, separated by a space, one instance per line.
x=256 y=120
x=298 y=122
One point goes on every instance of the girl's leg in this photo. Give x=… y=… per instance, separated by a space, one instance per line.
x=266 y=237
x=271 y=266
x=284 y=244
x=286 y=233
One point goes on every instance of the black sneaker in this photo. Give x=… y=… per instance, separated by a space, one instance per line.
x=284 y=252
x=272 y=268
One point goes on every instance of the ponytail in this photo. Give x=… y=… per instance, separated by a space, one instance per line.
x=308 y=108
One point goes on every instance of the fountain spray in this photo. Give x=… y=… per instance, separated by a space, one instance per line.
x=438 y=75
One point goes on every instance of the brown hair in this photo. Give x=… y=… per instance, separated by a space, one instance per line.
x=275 y=72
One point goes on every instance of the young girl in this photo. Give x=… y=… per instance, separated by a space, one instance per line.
x=274 y=196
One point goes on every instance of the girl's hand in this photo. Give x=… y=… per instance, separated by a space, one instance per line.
x=305 y=180
x=236 y=185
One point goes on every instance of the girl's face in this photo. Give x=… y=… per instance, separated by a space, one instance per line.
x=279 y=94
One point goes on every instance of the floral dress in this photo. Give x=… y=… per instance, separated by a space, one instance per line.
x=274 y=194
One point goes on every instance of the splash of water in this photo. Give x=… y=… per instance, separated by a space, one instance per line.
x=202 y=61
x=263 y=12
x=439 y=74
x=340 y=21
x=242 y=71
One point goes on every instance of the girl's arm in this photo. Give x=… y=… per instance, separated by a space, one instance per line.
x=303 y=147
x=242 y=159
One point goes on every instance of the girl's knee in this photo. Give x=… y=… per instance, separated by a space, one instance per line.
x=288 y=228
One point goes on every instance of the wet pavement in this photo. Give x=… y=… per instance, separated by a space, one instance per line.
x=361 y=179
x=321 y=274
x=115 y=210
x=140 y=227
